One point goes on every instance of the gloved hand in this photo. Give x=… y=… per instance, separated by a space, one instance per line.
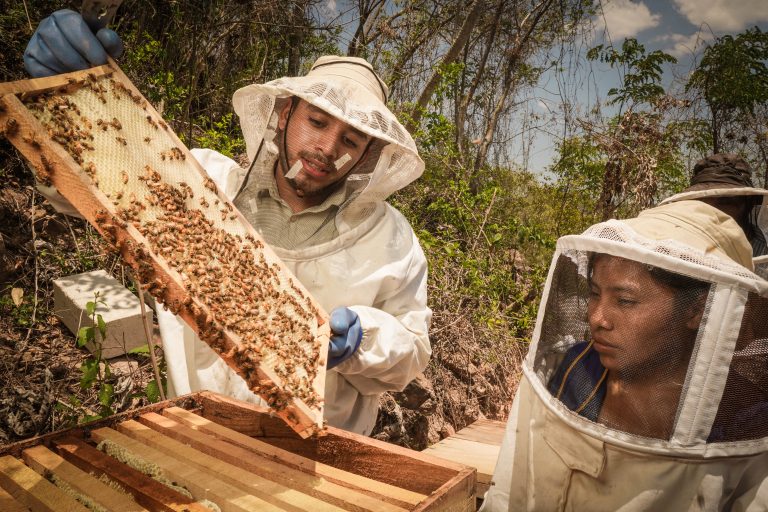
x=63 y=42
x=346 y=333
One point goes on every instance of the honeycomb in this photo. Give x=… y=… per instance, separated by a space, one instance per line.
x=160 y=209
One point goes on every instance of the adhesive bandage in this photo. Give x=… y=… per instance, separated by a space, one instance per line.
x=342 y=161
x=294 y=170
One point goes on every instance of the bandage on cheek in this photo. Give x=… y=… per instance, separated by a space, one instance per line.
x=294 y=170
x=342 y=161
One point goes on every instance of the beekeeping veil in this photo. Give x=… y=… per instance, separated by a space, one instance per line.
x=647 y=378
x=348 y=89
x=727 y=178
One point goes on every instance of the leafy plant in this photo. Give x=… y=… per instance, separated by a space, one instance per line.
x=152 y=392
x=219 y=136
x=95 y=372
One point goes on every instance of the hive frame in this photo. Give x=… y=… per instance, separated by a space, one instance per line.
x=53 y=163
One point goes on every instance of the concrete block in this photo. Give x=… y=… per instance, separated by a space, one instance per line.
x=121 y=310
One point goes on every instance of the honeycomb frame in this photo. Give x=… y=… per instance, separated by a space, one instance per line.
x=278 y=344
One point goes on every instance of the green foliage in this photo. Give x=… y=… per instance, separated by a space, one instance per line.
x=733 y=74
x=732 y=78
x=95 y=371
x=160 y=86
x=21 y=314
x=471 y=240
x=642 y=71
x=152 y=392
x=218 y=135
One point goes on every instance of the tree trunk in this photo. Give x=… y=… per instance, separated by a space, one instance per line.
x=450 y=56
x=515 y=56
x=296 y=39
x=461 y=114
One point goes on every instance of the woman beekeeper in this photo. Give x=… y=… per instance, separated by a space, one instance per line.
x=646 y=386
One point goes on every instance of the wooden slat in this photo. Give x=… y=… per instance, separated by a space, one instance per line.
x=472 y=453
x=9 y=504
x=48 y=83
x=44 y=461
x=396 y=495
x=203 y=483
x=153 y=495
x=483 y=431
x=377 y=460
x=33 y=490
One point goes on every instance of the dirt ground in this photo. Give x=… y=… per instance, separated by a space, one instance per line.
x=40 y=363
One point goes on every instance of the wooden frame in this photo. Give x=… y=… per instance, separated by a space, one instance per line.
x=70 y=175
x=238 y=455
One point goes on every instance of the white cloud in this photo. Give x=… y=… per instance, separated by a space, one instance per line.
x=680 y=45
x=724 y=15
x=625 y=18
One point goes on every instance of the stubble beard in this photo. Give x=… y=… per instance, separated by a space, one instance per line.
x=304 y=186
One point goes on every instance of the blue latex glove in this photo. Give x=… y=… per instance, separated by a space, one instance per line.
x=63 y=42
x=346 y=333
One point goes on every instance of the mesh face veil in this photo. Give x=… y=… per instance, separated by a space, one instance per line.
x=335 y=132
x=656 y=342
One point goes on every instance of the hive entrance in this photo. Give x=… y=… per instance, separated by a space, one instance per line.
x=93 y=136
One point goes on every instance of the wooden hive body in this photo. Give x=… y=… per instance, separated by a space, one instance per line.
x=236 y=455
x=94 y=137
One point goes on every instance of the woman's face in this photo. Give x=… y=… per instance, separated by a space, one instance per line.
x=635 y=323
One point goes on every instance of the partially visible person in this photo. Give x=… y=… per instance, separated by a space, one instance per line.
x=642 y=389
x=724 y=180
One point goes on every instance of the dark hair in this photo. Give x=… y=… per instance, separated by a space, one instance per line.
x=687 y=289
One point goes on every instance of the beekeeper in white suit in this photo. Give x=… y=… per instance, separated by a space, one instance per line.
x=646 y=385
x=325 y=153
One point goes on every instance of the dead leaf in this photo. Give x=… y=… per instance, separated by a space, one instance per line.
x=17 y=294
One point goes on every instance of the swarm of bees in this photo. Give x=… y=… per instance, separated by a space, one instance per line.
x=230 y=285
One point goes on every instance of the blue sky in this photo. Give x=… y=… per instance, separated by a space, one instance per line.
x=678 y=27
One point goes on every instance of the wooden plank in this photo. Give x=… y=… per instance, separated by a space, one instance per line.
x=483 y=431
x=377 y=460
x=478 y=455
x=45 y=462
x=203 y=483
x=455 y=495
x=396 y=495
x=9 y=504
x=48 y=83
x=33 y=490
x=150 y=493
x=296 y=401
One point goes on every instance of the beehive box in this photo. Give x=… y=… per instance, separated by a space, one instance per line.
x=94 y=137
x=236 y=455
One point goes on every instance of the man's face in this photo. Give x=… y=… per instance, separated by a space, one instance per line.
x=636 y=325
x=317 y=140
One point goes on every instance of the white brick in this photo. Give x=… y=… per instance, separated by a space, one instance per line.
x=120 y=310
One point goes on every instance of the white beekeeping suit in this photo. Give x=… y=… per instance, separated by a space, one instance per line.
x=646 y=385
x=371 y=261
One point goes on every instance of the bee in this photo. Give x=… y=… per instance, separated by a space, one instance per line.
x=11 y=127
x=121 y=140
x=147 y=139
